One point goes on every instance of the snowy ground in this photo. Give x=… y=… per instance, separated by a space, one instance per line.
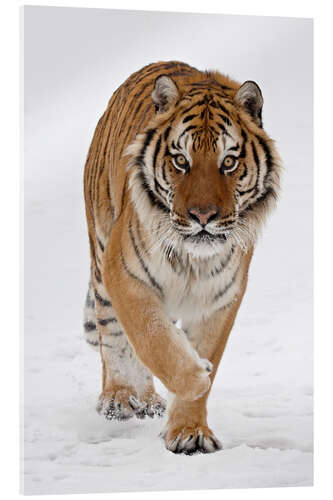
x=261 y=407
x=261 y=402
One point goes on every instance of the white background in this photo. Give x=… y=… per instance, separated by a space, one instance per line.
x=9 y=200
x=261 y=404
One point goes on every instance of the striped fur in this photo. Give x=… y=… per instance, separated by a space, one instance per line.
x=179 y=179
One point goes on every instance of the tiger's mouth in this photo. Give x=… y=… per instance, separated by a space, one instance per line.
x=204 y=236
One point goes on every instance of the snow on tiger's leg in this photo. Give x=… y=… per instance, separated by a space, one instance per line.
x=186 y=430
x=128 y=387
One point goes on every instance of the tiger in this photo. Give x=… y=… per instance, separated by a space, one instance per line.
x=179 y=179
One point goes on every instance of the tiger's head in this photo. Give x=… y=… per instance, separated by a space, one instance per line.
x=205 y=165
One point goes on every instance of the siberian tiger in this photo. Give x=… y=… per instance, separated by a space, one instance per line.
x=179 y=178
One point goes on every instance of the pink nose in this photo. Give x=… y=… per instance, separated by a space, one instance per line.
x=203 y=215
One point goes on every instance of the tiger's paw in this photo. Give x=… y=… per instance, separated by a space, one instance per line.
x=195 y=382
x=155 y=405
x=191 y=439
x=121 y=404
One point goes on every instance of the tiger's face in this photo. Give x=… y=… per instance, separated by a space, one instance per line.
x=207 y=163
x=204 y=164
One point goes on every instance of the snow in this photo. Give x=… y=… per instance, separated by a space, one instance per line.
x=261 y=403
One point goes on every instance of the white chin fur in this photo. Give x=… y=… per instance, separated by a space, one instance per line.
x=202 y=250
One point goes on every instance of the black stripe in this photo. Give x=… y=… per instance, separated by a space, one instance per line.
x=103 y=163
x=152 y=196
x=211 y=83
x=108 y=188
x=226 y=220
x=126 y=118
x=104 y=322
x=246 y=191
x=149 y=137
x=103 y=302
x=223 y=264
x=204 y=83
x=214 y=132
x=190 y=127
x=225 y=119
x=269 y=160
x=98 y=275
x=244 y=174
x=159 y=187
x=255 y=154
x=269 y=192
x=172 y=255
x=243 y=150
x=151 y=278
x=99 y=150
x=132 y=275
x=188 y=118
x=100 y=244
x=135 y=126
x=226 y=288
x=123 y=194
x=257 y=163
x=157 y=149
x=223 y=108
x=164 y=175
x=224 y=87
x=222 y=127
x=89 y=326
x=199 y=103
x=194 y=92
x=166 y=133
x=180 y=222
x=213 y=104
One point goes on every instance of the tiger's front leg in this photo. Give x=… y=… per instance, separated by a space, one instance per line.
x=158 y=344
x=187 y=430
x=128 y=387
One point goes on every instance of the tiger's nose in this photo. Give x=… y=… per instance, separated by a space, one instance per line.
x=203 y=215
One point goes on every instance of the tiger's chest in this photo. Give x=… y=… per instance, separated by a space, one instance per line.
x=196 y=291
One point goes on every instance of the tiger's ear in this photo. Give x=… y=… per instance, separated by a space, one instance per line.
x=249 y=96
x=165 y=93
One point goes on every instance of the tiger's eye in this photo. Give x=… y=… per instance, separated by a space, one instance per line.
x=180 y=160
x=229 y=162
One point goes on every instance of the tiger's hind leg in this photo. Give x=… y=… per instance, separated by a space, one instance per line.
x=90 y=322
x=128 y=387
